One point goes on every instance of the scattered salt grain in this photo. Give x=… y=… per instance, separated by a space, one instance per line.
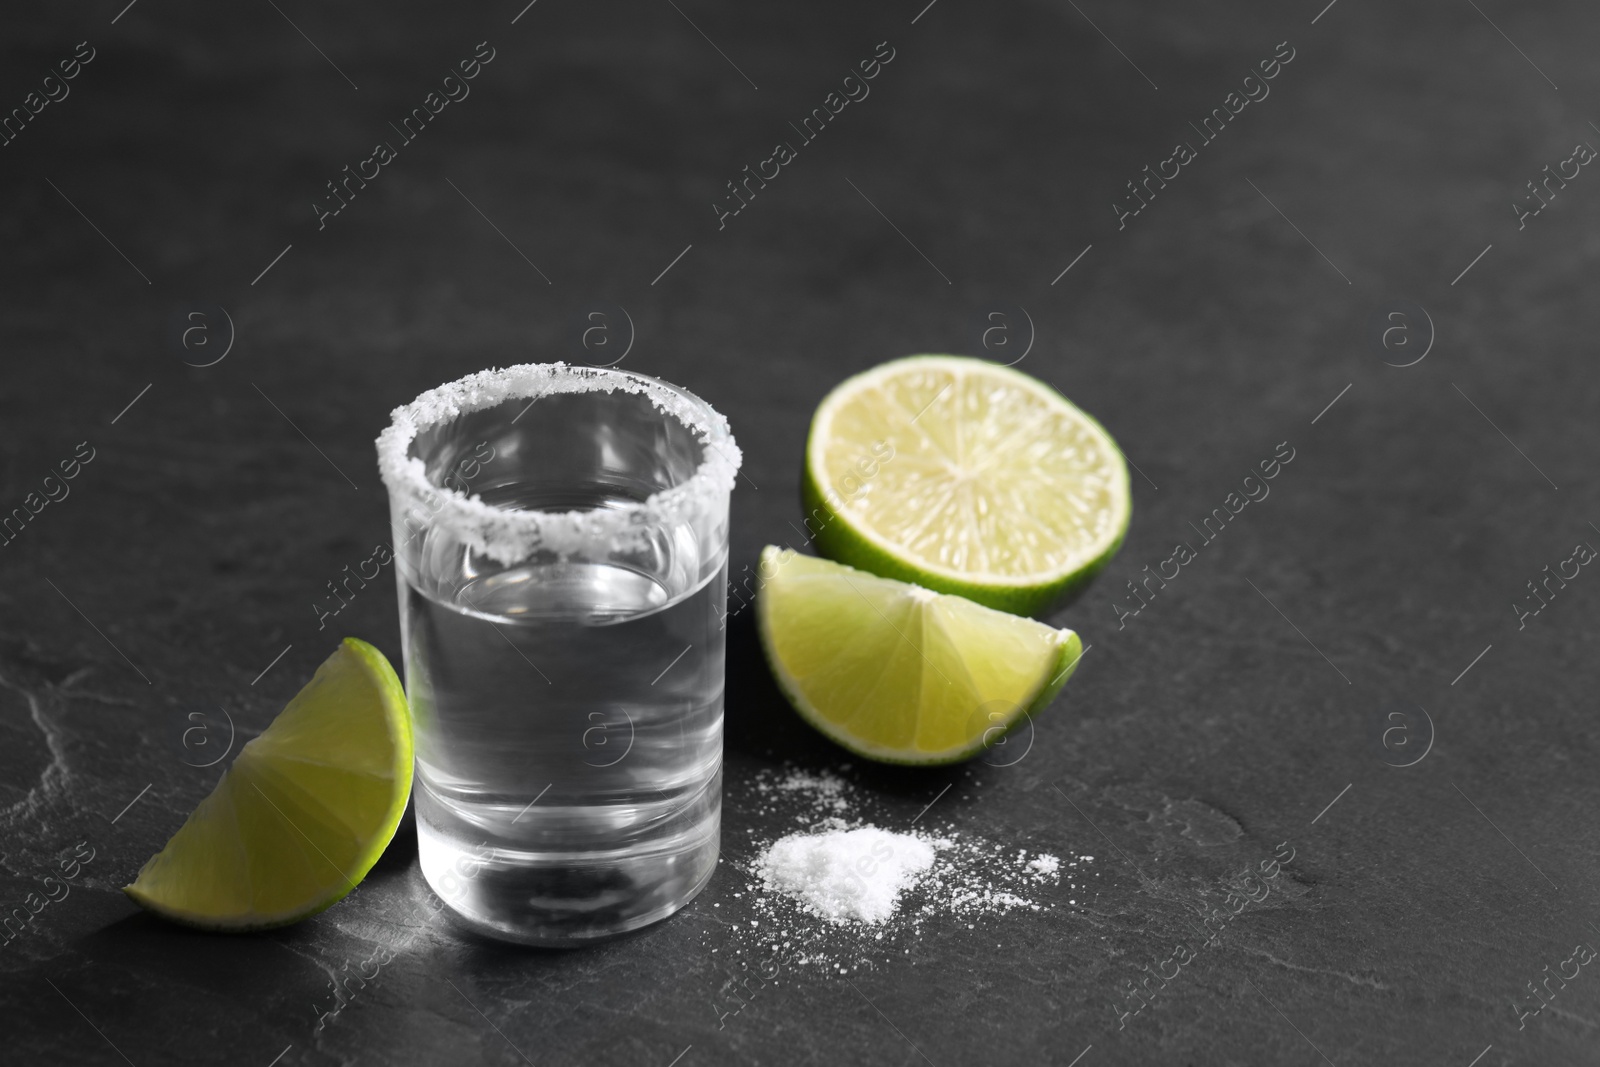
x=824 y=790
x=1044 y=864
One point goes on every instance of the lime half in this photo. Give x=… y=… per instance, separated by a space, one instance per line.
x=966 y=477
x=897 y=673
x=304 y=812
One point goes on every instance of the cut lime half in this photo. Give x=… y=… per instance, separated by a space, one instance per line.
x=304 y=812
x=966 y=477
x=897 y=673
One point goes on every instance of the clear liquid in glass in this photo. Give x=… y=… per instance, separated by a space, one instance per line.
x=568 y=721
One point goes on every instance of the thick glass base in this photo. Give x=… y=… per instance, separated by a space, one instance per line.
x=567 y=899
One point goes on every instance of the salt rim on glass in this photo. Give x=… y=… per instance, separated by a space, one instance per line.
x=510 y=536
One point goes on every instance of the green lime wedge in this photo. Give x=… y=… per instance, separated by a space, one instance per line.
x=897 y=673
x=304 y=812
x=966 y=477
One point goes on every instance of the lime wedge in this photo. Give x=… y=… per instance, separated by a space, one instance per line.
x=896 y=673
x=304 y=812
x=965 y=477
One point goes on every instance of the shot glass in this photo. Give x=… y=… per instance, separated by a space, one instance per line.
x=560 y=541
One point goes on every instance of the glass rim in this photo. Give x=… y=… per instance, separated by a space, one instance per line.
x=508 y=536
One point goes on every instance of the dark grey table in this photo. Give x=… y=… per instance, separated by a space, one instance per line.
x=1345 y=260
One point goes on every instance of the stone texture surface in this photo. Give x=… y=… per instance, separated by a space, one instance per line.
x=1199 y=734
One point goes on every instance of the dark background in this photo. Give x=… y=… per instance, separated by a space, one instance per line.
x=1219 y=722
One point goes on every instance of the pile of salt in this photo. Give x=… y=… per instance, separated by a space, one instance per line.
x=847 y=875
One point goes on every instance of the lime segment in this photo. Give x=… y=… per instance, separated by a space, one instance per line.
x=966 y=477
x=897 y=673
x=304 y=812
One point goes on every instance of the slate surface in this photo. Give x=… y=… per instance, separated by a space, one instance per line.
x=1232 y=314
